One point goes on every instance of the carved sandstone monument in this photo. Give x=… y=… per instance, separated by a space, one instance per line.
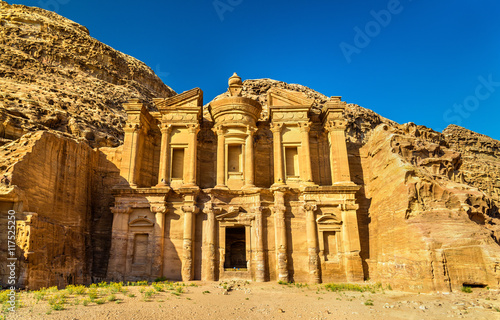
x=190 y=209
x=114 y=176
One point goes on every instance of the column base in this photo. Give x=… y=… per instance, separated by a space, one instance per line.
x=248 y=186
x=221 y=187
x=278 y=185
x=162 y=185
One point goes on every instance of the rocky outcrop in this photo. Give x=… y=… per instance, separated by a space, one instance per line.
x=428 y=204
x=60 y=190
x=54 y=75
x=428 y=230
x=480 y=159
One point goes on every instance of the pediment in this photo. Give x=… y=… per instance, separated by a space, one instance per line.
x=232 y=212
x=188 y=99
x=236 y=215
x=141 y=222
x=277 y=97
x=328 y=220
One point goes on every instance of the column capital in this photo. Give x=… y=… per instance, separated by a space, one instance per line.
x=211 y=208
x=165 y=128
x=219 y=130
x=276 y=126
x=251 y=130
x=304 y=126
x=193 y=128
x=121 y=210
x=309 y=207
x=159 y=208
x=132 y=127
x=335 y=125
x=278 y=209
x=190 y=209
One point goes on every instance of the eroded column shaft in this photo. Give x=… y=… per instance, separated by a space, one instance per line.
x=312 y=244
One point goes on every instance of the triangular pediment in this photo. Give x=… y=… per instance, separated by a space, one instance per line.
x=191 y=99
x=277 y=97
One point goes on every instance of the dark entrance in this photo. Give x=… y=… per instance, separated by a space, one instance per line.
x=236 y=256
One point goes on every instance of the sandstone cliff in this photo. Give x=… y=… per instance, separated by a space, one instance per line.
x=428 y=230
x=54 y=75
x=428 y=216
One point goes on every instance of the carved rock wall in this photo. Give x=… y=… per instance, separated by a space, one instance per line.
x=64 y=212
x=427 y=231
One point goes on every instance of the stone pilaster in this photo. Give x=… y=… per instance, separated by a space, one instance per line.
x=209 y=256
x=260 y=263
x=193 y=130
x=249 y=159
x=159 y=211
x=306 y=173
x=130 y=160
x=279 y=211
x=164 y=172
x=312 y=243
x=352 y=245
x=119 y=240
x=279 y=173
x=339 y=162
x=221 y=158
x=190 y=210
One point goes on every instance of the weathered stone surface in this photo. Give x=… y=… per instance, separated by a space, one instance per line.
x=428 y=230
x=60 y=190
x=426 y=211
x=54 y=75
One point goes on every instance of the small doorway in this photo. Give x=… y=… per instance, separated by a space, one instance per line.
x=235 y=248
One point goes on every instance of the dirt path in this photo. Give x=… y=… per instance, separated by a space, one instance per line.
x=243 y=300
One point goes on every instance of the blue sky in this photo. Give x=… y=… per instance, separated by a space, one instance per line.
x=428 y=62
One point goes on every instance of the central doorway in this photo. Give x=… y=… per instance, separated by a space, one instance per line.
x=236 y=254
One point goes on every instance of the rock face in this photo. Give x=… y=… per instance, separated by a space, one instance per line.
x=54 y=75
x=428 y=230
x=428 y=202
x=58 y=188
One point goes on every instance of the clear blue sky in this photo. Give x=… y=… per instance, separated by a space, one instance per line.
x=429 y=62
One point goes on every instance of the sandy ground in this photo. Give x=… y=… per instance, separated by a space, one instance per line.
x=243 y=300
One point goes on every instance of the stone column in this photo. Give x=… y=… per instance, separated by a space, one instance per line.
x=164 y=172
x=339 y=162
x=279 y=176
x=280 y=233
x=130 y=153
x=209 y=247
x=119 y=240
x=193 y=130
x=260 y=272
x=351 y=243
x=312 y=243
x=305 y=127
x=188 y=238
x=221 y=141
x=159 y=239
x=249 y=159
